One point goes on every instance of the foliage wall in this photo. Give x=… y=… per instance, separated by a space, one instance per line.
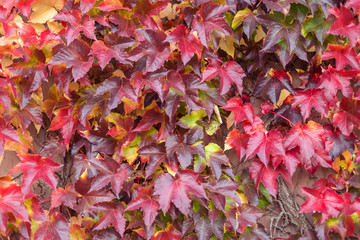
x=140 y=104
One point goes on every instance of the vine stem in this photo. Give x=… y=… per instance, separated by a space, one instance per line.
x=283 y=118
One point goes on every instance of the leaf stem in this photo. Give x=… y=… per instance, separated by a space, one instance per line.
x=283 y=118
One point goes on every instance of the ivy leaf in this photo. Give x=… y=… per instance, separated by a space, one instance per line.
x=247 y=18
x=265 y=174
x=224 y=187
x=157 y=155
x=184 y=149
x=333 y=80
x=34 y=167
x=91 y=198
x=242 y=111
x=344 y=55
x=239 y=141
x=272 y=83
x=86 y=5
x=65 y=196
x=11 y=202
x=345 y=25
x=149 y=205
x=249 y=215
x=118 y=88
x=305 y=136
x=155 y=47
x=265 y=144
x=145 y=10
x=327 y=201
x=208 y=18
x=75 y=56
x=176 y=190
x=203 y=228
x=67 y=121
x=347 y=116
x=7 y=133
x=112 y=214
x=105 y=53
x=318 y=25
x=188 y=43
x=57 y=228
x=230 y=72
x=215 y=157
x=109 y=172
x=169 y=233
x=311 y=98
x=109 y=5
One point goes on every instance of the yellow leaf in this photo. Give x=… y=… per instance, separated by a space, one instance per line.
x=283 y=95
x=44 y=10
x=227 y=45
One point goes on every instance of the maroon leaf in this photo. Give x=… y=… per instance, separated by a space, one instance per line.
x=176 y=190
x=65 y=196
x=112 y=214
x=34 y=167
x=57 y=228
x=149 y=205
x=230 y=72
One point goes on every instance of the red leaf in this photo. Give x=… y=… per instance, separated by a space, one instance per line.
x=65 y=196
x=93 y=197
x=86 y=5
x=347 y=116
x=188 y=44
x=311 y=98
x=249 y=215
x=34 y=167
x=230 y=72
x=267 y=175
x=57 y=228
x=208 y=18
x=145 y=10
x=112 y=214
x=263 y=145
x=239 y=141
x=344 y=55
x=67 y=121
x=11 y=202
x=155 y=47
x=305 y=136
x=242 y=111
x=327 y=201
x=333 y=80
x=7 y=133
x=105 y=53
x=118 y=88
x=345 y=24
x=148 y=204
x=176 y=190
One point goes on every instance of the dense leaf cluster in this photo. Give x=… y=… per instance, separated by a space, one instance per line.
x=129 y=111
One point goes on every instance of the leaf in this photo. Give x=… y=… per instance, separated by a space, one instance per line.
x=169 y=233
x=308 y=99
x=344 y=55
x=176 y=190
x=188 y=43
x=91 y=198
x=75 y=56
x=67 y=121
x=347 y=116
x=43 y=10
x=86 y=5
x=118 y=88
x=145 y=10
x=225 y=187
x=215 y=157
x=265 y=144
x=57 y=228
x=243 y=112
x=105 y=53
x=327 y=201
x=273 y=83
x=345 y=25
x=247 y=19
x=155 y=47
x=203 y=228
x=34 y=167
x=207 y=19
x=112 y=214
x=184 y=149
x=65 y=196
x=7 y=133
x=237 y=140
x=11 y=202
x=149 y=205
x=249 y=215
x=230 y=72
x=333 y=80
x=265 y=174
